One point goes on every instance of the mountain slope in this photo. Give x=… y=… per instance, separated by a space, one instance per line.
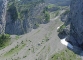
x=41 y=42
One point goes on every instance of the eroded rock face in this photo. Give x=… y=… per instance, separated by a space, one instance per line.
x=28 y=20
x=3 y=7
x=31 y=13
x=76 y=18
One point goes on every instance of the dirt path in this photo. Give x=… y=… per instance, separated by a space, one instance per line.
x=41 y=42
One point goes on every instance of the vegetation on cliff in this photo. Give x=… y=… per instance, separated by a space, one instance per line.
x=4 y=40
x=46 y=14
x=20 y=9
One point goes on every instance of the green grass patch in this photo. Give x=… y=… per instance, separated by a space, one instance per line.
x=15 y=50
x=4 y=40
x=50 y=6
x=47 y=16
x=65 y=55
x=61 y=28
x=5 y=44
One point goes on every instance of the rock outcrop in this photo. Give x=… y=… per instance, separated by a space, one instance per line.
x=76 y=18
x=3 y=7
x=27 y=22
x=19 y=17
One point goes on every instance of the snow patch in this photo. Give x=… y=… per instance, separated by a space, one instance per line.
x=58 y=28
x=64 y=42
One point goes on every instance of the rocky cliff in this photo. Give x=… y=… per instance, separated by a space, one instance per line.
x=76 y=18
x=3 y=7
x=21 y=16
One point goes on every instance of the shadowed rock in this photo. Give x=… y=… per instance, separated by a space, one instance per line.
x=76 y=18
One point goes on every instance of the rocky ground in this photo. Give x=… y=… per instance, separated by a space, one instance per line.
x=39 y=44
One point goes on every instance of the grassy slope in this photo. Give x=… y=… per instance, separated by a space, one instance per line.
x=65 y=55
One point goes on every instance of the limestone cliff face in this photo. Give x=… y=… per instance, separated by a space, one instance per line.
x=76 y=18
x=1 y=3
x=3 y=7
x=19 y=17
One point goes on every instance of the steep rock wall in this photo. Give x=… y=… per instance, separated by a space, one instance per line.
x=29 y=19
x=3 y=7
x=76 y=18
x=21 y=16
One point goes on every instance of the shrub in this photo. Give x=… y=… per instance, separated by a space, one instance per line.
x=61 y=28
x=47 y=16
x=4 y=38
x=35 y=26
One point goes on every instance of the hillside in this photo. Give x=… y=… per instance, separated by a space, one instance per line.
x=33 y=30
